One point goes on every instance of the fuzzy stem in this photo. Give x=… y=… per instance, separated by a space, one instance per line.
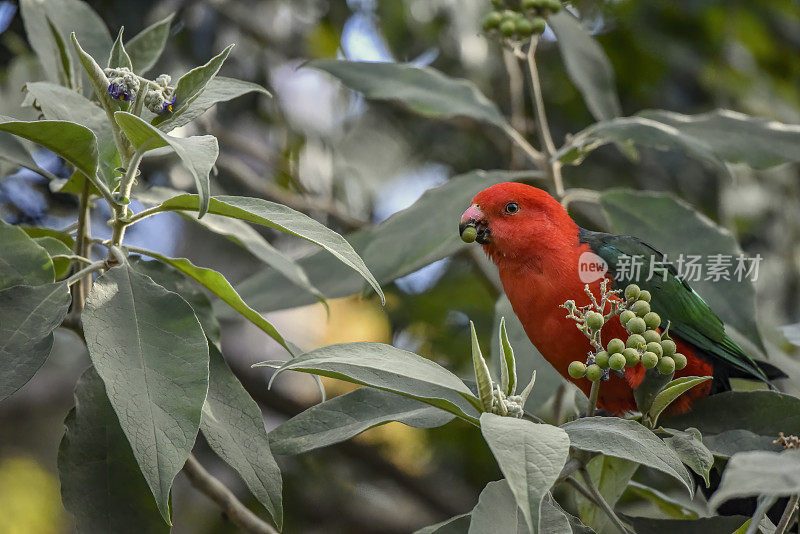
x=82 y=245
x=121 y=210
x=86 y=271
x=593 y=398
x=788 y=512
x=601 y=501
x=764 y=504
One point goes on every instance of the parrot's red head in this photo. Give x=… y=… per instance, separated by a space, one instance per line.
x=515 y=220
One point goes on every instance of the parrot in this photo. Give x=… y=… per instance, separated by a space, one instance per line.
x=537 y=249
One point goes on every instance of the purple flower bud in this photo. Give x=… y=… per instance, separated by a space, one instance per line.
x=118 y=92
x=167 y=105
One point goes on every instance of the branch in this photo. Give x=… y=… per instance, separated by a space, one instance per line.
x=788 y=512
x=595 y=391
x=601 y=501
x=517 y=101
x=233 y=508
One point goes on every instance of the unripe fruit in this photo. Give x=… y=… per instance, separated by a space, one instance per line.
x=615 y=346
x=651 y=335
x=601 y=359
x=491 y=22
x=635 y=341
x=656 y=348
x=617 y=361
x=640 y=308
x=523 y=27
x=680 y=361
x=636 y=326
x=553 y=5
x=577 y=369
x=649 y=360
x=645 y=296
x=539 y=25
x=594 y=320
x=470 y=233
x=508 y=27
x=499 y=4
x=626 y=316
x=669 y=348
x=652 y=319
x=631 y=356
x=594 y=373
x=531 y=4
x=666 y=365
x=632 y=292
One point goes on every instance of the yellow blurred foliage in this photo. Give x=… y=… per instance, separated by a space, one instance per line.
x=406 y=447
x=30 y=501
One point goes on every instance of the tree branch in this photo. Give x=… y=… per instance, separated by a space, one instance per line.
x=788 y=512
x=601 y=501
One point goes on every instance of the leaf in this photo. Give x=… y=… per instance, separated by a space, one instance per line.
x=73 y=142
x=198 y=153
x=672 y=391
x=65 y=61
x=388 y=368
x=234 y=428
x=97 y=78
x=455 y=525
x=530 y=456
x=611 y=476
x=587 y=65
x=481 y=372
x=147 y=45
x=508 y=366
x=219 y=89
x=37 y=231
x=726 y=444
x=497 y=511
x=101 y=484
x=54 y=247
x=627 y=440
x=151 y=352
x=192 y=84
x=663 y=502
x=758 y=473
x=792 y=333
x=219 y=285
x=28 y=316
x=704 y=525
x=348 y=415
x=423 y=90
x=689 y=447
x=664 y=221
x=281 y=218
x=119 y=57
x=23 y=261
x=13 y=151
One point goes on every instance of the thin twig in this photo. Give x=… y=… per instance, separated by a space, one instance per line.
x=41 y=172
x=95 y=266
x=73 y=257
x=572 y=481
x=538 y=159
x=215 y=490
x=517 y=102
x=82 y=245
x=601 y=501
x=764 y=504
x=788 y=512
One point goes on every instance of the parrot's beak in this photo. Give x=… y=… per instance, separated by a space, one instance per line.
x=475 y=218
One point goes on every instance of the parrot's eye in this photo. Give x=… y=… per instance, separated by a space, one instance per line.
x=511 y=208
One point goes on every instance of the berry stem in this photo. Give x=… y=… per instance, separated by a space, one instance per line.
x=593 y=398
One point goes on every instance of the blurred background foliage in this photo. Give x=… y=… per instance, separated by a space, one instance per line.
x=326 y=151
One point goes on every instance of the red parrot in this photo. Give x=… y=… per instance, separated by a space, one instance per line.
x=537 y=247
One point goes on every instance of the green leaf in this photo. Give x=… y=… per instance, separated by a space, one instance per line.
x=192 y=84
x=385 y=367
x=530 y=456
x=650 y=387
x=234 y=428
x=198 y=153
x=151 y=352
x=37 y=231
x=348 y=415
x=663 y=221
x=101 y=484
x=455 y=525
x=705 y=525
x=219 y=89
x=13 y=151
x=97 y=78
x=23 y=260
x=508 y=366
x=279 y=217
x=423 y=90
x=672 y=391
x=54 y=247
x=689 y=447
x=65 y=61
x=481 y=370
x=73 y=142
x=726 y=444
x=119 y=57
x=497 y=511
x=28 y=316
x=173 y=280
x=587 y=65
x=758 y=473
x=146 y=47
x=627 y=440
x=611 y=476
x=219 y=285
x=663 y=502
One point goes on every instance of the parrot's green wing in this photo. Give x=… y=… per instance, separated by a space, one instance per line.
x=673 y=299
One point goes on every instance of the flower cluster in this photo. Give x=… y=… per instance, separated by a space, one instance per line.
x=520 y=19
x=125 y=85
x=160 y=97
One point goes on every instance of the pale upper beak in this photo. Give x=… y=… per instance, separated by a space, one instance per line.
x=473 y=216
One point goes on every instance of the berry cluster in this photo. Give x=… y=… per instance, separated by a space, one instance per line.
x=644 y=344
x=518 y=19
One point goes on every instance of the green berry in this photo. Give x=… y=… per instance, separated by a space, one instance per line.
x=649 y=360
x=552 y=5
x=617 y=361
x=645 y=296
x=469 y=234
x=655 y=347
x=499 y=4
x=531 y=4
x=626 y=316
x=640 y=308
x=492 y=20
x=594 y=373
x=651 y=335
x=680 y=361
x=669 y=348
x=539 y=25
x=635 y=341
x=636 y=326
x=631 y=356
x=577 y=369
x=615 y=346
x=594 y=320
x=652 y=319
x=524 y=27
x=601 y=359
x=666 y=365
x=632 y=292
x=508 y=27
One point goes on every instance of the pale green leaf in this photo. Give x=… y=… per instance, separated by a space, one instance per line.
x=672 y=391
x=119 y=58
x=611 y=476
x=23 y=260
x=690 y=449
x=146 y=46
x=772 y=474
x=54 y=247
